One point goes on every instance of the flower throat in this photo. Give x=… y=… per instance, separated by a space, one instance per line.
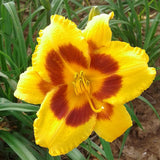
x=82 y=86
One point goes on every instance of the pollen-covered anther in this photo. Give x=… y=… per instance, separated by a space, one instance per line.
x=81 y=84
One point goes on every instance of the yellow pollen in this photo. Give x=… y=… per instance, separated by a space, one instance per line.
x=82 y=85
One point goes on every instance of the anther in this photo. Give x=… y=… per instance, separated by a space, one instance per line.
x=81 y=84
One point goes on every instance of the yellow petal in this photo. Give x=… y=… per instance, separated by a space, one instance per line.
x=31 y=87
x=98 y=32
x=133 y=69
x=59 y=127
x=112 y=122
x=60 y=45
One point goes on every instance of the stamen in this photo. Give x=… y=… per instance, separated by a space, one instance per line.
x=76 y=76
x=82 y=85
x=75 y=90
x=79 y=87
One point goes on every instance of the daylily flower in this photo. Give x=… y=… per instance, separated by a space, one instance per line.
x=82 y=79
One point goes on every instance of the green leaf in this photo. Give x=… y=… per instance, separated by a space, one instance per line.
x=49 y=157
x=46 y=4
x=147 y=17
x=68 y=9
x=83 y=23
x=154 y=41
x=154 y=55
x=57 y=158
x=124 y=141
x=31 y=16
x=31 y=146
x=75 y=153
x=133 y=116
x=30 y=35
x=22 y=54
x=88 y=148
x=11 y=62
x=4 y=100
x=150 y=105
x=11 y=82
x=6 y=105
x=95 y=146
x=23 y=118
x=157 y=78
x=56 y=6
x=137 y=22
x=151 y=31
x=21 y=107
x=107 y=149
x=19 y=148
x=78 y=4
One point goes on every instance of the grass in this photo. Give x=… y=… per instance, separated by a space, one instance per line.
x=135 y=22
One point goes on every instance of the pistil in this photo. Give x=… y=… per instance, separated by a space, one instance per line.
x=82 y=86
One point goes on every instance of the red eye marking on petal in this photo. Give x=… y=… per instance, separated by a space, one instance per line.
x=45 y=87
x=110 y=87
x=92 y=45
x=79 y=116
x=106 y=113
x=72 y=54
x=54 y=66
x=104 y=63
x=59 y=104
